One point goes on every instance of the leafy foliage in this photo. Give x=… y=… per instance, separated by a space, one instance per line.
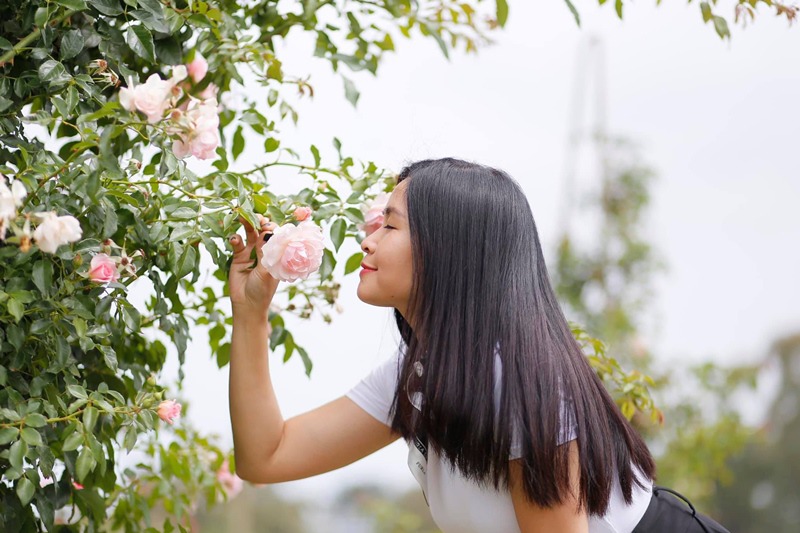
x=80 y=364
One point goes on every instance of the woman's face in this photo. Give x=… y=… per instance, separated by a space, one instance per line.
x=388 y=251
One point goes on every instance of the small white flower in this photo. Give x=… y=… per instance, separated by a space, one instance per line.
x=54 y=231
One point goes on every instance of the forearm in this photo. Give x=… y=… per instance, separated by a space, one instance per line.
x=256 y=418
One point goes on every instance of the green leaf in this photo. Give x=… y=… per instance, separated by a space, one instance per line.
x=85 y=464
x=16 y=308
x=77 y=5
x=574 y=12
x=54 y=73
x=72 y=442
x=31 y=436
x=306 y=360
x=25 y=490
x=338 y=232
x=705 y=9
x=238 y=143
x=140 y=40
x=271 y=144
x=223 y=355
x=315 y=153
x=16 y=454
x=350 y=91
x=107 y=7
x=721 y=25
x=353 y=262
x=7 y=435
x=131 y=317
x=35 y=420
x=71 y=44
x=328 y=264
x=618 y=8
x=77 y=391
x=90 y=418
x=502 y=12
x=43 y=276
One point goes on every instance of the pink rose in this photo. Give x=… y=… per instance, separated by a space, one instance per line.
x=230 y=481
x=77 y=485
x=152 y=98
x=294 y=251
x=373 y=213
x=168 y=410
x=302 y=213
x=103 y=269
x=198 y=68
x=209 y=92
x=54 y=231
x=198 y=129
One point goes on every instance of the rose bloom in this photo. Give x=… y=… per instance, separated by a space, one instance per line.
x=103 y=269
x=198 y=68
x=294 y=252
x=54 y=231
x=302 y=213
x=230 y=482
x=373 y=215
x=153 y=97
x=10 y=199
x=200 y=137
x=77 y=485
x=168 y=410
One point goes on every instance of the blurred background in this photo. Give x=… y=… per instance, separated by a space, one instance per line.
x=660 y=163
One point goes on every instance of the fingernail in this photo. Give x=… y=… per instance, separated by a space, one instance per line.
x=267 y=236
x=232 y=238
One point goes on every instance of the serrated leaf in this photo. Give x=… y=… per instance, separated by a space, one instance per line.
x=25 y=490
x=307 y=363
x=223 y=355
x=315 y=153
x=338 y=232
x=353 y=262
x=140 y=41
x=71 y=44
x=130 y=438
x=16 y=308
x=721 y=26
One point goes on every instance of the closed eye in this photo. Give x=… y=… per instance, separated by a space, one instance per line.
x=388 y=227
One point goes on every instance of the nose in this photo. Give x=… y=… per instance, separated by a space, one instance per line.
x=368 y=244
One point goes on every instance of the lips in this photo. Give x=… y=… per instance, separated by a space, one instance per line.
x=365 y=267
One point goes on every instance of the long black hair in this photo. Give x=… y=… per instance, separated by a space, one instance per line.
x=480 y=287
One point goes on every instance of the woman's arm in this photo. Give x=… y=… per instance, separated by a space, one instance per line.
x=267 y=448
x=565 y=518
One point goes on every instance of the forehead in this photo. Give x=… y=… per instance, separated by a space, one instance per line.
x=397 y=198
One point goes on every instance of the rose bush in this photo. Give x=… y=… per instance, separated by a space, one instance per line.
x=105 y=105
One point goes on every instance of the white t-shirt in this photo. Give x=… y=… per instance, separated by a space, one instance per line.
x=461 y=506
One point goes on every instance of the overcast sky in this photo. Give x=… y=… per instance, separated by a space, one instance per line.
x=718 y=121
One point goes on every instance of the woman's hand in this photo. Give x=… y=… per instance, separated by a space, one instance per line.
x=251 y=289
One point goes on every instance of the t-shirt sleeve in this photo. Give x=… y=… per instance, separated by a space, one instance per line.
x=375 y=392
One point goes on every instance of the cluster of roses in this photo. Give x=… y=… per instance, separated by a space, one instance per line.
x=195 y=121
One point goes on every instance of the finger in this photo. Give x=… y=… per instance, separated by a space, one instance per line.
x=237 y=244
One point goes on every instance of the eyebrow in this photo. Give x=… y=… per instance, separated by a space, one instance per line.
x=389 y=210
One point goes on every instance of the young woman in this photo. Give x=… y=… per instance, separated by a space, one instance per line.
x=509 y=428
